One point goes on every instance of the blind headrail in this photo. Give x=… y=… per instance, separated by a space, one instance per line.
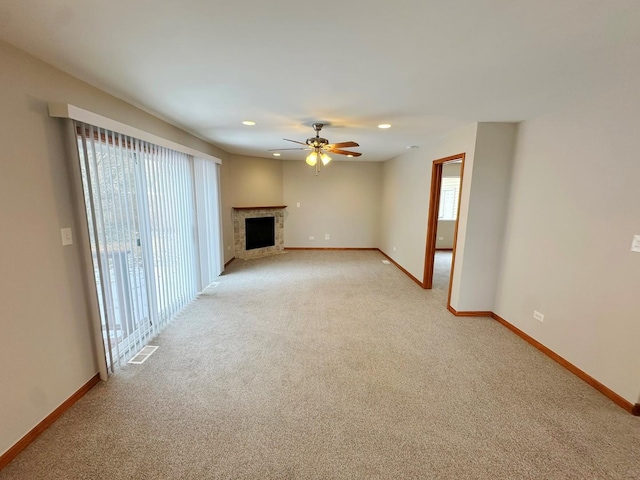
x=65 y=110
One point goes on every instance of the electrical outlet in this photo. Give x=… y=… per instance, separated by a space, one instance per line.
x=298 y=204
x=441 y=238
x=538 y=316
x=311 y=237
x=326 y=236
x=394 y=249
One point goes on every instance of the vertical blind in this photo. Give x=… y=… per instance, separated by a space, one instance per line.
x=207 y=175
x=154 y=232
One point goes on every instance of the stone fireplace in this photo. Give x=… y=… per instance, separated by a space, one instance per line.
x=241 y=214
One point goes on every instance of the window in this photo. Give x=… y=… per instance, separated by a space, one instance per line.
x=449 y=194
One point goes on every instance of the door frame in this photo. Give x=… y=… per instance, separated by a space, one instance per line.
x=432 y=223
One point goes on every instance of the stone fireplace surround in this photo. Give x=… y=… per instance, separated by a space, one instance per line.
x=239 y=231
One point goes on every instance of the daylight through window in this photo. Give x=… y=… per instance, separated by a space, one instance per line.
x=449 y=194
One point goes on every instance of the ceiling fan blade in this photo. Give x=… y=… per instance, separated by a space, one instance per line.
x=283 y=149
x=343 y=152
x=294 y=141
x=343 y=145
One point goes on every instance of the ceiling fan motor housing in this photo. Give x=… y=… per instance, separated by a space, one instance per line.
x=317 y=142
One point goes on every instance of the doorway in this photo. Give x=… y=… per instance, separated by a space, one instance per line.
x=444 y=203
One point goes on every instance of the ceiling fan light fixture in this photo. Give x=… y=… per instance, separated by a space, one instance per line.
x=312 y=159
x=325 y=158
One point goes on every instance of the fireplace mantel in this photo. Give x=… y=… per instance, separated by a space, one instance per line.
x=273 y=207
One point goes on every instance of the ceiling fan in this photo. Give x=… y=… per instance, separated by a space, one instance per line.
x=320 y=147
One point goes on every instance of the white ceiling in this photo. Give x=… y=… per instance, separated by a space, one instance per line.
x=425 y=66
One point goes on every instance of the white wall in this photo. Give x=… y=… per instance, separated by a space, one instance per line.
x=46 y=349
x=247 y=182
x=478 y=258
x=343 y=201
x=573 y=210
x=406 y=186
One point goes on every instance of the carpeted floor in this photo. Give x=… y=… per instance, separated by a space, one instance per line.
x=334 y=365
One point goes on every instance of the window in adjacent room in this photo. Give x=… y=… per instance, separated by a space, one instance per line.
x=449 y=194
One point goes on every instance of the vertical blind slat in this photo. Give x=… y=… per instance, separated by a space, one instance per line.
x=187 y=231
x=166 y=226
x=157 y=232
x=176 y=276
x=183 y=264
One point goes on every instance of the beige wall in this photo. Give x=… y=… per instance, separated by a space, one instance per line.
x=487 y=179
x=45 y=337
x=247 y=182
x=405 y=197
x=444 y=235
x=226 y=202
x=451 y=169
x=343 y=201
x=573 y=211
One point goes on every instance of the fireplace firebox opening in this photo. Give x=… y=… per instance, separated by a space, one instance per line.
x=260 y=232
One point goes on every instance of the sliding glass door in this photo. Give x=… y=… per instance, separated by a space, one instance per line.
x=141 y=209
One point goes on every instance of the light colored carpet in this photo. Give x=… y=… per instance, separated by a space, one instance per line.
x=335 y=365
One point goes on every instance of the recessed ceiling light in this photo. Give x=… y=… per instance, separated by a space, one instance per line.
x=276 y=154
x=384 y=125
x=248 y=123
